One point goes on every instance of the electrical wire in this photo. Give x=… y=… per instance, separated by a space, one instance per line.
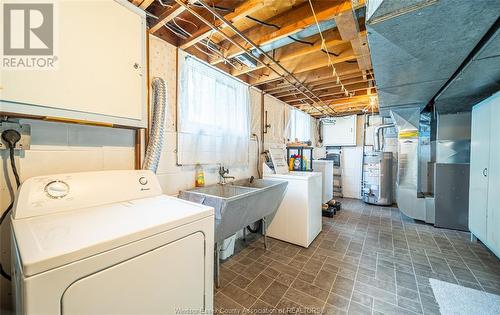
x=323 y=46
x=278 y=27
x=214 y=6
x=9 y=208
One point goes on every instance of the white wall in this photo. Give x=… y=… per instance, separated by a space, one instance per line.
x=352 y=160
x=60 y=148
x=163 y=63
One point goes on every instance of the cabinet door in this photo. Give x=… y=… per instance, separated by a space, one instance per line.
x=99 y=75
x=479 y=160
x=493 y=216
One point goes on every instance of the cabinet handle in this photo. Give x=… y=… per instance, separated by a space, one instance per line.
x=485 y=172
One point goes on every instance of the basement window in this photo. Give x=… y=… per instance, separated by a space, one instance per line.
x=213 y=116
x=300 y=126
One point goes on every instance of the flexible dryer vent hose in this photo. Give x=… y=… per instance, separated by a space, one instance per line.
x=158 y=125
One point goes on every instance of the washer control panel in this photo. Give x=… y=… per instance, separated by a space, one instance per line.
x=57 y=189
x=63 y=192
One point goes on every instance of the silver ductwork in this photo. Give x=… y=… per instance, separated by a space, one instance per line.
x=406 y=121
x=158 y=125
x=417 y=45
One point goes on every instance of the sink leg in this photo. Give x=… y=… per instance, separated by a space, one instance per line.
x=217 y=265
x=264 y=227
x=245 y=234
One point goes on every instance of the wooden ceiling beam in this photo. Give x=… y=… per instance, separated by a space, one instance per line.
x=349 y=30
x=360 y=47
x=363 y=93
x=299 y=50
x=166 y=16
x=346 y=82
x=329 y=93
x=246 y=8
x=314 y=61
x=275 y=88
x=145 y=4
x=289 y=22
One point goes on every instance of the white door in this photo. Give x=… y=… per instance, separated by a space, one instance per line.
x=479 y=161
x=167 y=280
x=493 y=218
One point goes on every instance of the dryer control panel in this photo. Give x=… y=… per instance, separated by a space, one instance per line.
x=63 y=192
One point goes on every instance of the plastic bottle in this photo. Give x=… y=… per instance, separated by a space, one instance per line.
x=200 y=176
x=296 y=165
x=291 y=163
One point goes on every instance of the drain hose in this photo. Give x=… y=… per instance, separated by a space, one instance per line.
x=157 y=134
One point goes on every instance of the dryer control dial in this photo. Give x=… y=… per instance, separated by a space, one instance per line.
x=57 y=189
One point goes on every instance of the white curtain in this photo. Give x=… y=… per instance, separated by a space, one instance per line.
x=213 y=113
x=300 y=126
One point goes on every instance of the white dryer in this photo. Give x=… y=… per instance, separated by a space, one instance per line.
x=298 y=219
x=109 y=243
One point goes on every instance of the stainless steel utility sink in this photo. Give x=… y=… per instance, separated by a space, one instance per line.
x=239 y=203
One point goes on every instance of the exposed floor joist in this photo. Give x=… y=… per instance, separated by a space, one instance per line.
x=309 y=82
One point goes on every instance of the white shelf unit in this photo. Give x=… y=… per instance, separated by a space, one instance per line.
x=484 y=199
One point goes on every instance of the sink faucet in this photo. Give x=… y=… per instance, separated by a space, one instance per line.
x=222 y=175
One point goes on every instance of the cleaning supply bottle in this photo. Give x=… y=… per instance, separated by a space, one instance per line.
x=291 y=163
x=200 y=176
x=296 y=163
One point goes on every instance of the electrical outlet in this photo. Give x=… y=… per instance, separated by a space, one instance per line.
x=23 y=129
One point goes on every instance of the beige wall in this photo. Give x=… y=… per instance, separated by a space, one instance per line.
x=163 y=63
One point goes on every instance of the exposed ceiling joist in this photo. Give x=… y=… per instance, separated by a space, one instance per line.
x=166 y=16
x=289 y=23
x=244 y=9
x=299 y=50
x=145 y=4
x=324 y=87
x=335 y=91
x=314 y=61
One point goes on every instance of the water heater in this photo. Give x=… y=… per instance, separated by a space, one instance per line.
x=377 y=178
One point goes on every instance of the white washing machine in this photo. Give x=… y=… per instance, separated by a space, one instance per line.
x=109 y=243
x=325 y=167
x=298 y=219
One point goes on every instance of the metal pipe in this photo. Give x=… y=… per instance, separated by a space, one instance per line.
x=376 y=137
x=255 y=46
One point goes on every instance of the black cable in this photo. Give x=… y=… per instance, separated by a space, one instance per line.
x=277 y=27
x=14 y=168
x=330 y=53
x=301 y=41
x=199 y=5
x=11 y=137
x=257 y=229
x=262 y=22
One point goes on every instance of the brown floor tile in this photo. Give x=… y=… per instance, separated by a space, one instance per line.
x=274 y=293
x=310 y=289
x=240 y=296
x=259 y=285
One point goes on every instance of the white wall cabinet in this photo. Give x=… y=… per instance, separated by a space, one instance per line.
x=100 y=75
x=484 y=199
x=340 y=131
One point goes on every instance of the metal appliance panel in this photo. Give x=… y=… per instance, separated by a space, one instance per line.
x=452 y=196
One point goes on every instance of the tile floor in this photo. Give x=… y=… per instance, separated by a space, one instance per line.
x=367 y=260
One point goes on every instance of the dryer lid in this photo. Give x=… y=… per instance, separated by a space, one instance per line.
x=49 y=241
